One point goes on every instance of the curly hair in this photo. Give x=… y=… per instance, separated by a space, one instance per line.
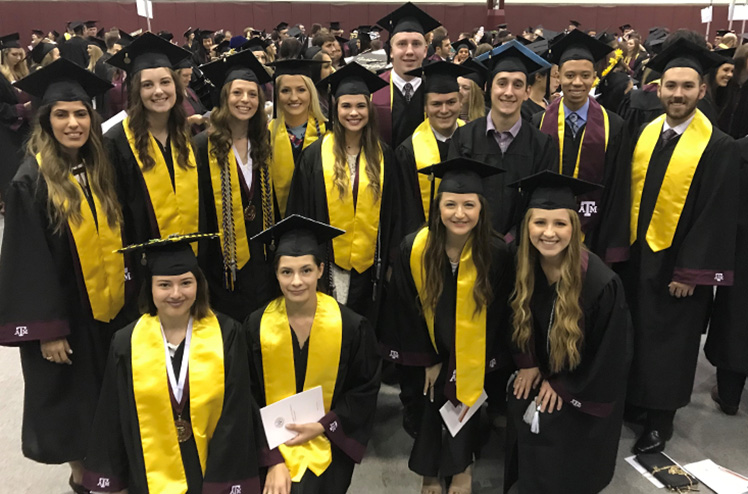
x=179 y=129
x=64 y=201
x=565 y=337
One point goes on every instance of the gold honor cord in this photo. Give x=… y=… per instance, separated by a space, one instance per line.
x=158 y=433
x=278 y=368
x=677 y=182
x=177 y=208
x=426 y=152
x=282 y=166
x=470 y=323
x=240 y=229
x=357 y=246
x=102 y=268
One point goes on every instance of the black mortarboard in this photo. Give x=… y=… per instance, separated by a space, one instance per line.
x=126 y=37
x=100 y=33
x=223 y=47
x=76 y=25
x=90 y=23
x=502 y=26
x=523 y=40
x=335 y=26
x=466 y=42
x=243 y=65
x=170 y=256
x=294 y=66
x=188 y=32
x=281 y=26
x=342 y=40
x=722 y=32
x=551 y=35
x=605 y=37
x=441 y=77
x=10 y=41
x=655 y=40
x=352 y=79
x=539 y=47
x=294 y=32
x=203 y=33
x=683 y=53
x=184 y=64
x=98 y=42
x=255 y=44
x=625 y=27
x=40 y=51
x=578 y=46
x=478 y=72
x=55 y=34
x=408 y=18
x=514 y=57
x=166 y=35
x=148 y=51
x=461 y=175
x=298 y=236
x=551 y=190
x=575 y=23
x=38 y=32
x=728 y=54
x=63 y=80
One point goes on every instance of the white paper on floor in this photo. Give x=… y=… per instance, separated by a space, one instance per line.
x=719 y=479
x=631 y=460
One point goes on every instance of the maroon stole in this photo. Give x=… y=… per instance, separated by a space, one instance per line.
x=381 y=100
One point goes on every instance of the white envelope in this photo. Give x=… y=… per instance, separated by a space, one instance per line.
x=451 y=414
x=302 y=408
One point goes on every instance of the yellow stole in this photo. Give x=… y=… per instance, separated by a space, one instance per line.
x=282 y=165
x=325 y=342
x=102 y=268
x=426 y=152
x=177 y=208
x=240 y=228
x=357 y=246
x=677 y=181
x=470 y=323
x=158 y=434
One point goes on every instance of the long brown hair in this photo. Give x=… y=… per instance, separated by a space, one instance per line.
x=179 y=129
x=370 y=147
x=257 y=131
x=434 y=256
x=64 y=201
x=565 y=337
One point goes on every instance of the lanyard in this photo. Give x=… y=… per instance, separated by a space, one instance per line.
x=178 y=386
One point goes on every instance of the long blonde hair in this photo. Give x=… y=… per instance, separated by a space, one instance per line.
x=476 y=102
x=64 y=201
x=16 y=73
x=314 y=109
x=565 y=336
x=95 y=54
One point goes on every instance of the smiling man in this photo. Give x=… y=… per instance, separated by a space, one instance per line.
x=503 y=139
x=593 y=145
x=684 y=185
x=400 y=105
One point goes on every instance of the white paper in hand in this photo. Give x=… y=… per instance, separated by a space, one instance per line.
x=451 y=414
x=302 y=408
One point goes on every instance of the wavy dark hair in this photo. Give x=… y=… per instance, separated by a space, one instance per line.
x=370 y=147
x=63 y=200
x=179 y=129
x=199 y=309
x=257 y=131
x=434 y=256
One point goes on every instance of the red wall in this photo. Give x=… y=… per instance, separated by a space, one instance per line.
x=22 y=16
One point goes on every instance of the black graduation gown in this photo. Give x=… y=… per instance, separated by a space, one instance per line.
x=530 y=152
x=308 y=197
x=668 y=329
x=349 y=422
x=577 y=446
x=12 y=134
x=140 y=220
x=255 y=283
x=44 y=298
x=609 y=238
x=727 y=342
x=405 y=340
x=115 y=452
x=530 y=109
x=76 y=50
x=400 y=119
x=412 y=216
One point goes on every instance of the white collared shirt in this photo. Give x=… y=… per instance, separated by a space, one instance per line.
x=441 y=137
x=679 y=129
x=245 y=167
x=400 y=82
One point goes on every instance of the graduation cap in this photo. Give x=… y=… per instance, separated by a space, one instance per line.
x=223 y=47
x=166 y=35
x=239 y=66
x=63 y=80
x=126 y=37
x=352 y=79
x=98 y=42
x=280 y=27
x=539 y=47
x=728 y=54
x=76 y=25
x=523 y=40
x=148 y=51
x=203 y=33
x=440 y=77
x=551 y=190
x=237 y=42
x=294 y=66
x=342 y=40
x=683 y=53
x=41 y=50
x=298 y=236
x=722 y=32
x=464 y=42
x=90 y=23
x=10 y=41
x=578 y=46
x=501 y=26
x=408 y=18
x=478 y=72
x=295 y=32
x=624 y=27
x=188 y=32
x=551 y=35
x=38 y=32
x=513 y=57
x=335 y=26
x=575 y=23
x=605 y=37
x=255 y=44
x=460 y=175
x=170 y=256
x=184 y=64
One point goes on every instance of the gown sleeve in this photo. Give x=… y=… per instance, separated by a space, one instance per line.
x=348 y=425
x=409 y=189
x=707 y=253
x=301 y=196
x=33 y=305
